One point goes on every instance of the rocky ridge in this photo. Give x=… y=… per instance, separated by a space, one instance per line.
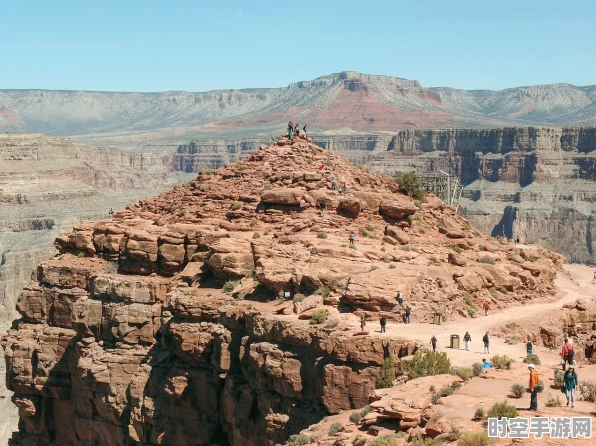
x=168 y=324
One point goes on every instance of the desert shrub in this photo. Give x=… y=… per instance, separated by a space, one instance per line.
x=434 y=399
x=465 y=373
x=552 y=402
x=422 y=441
x=241 y=296
x=410 y=184
x=254 y=221
x=365 y=411
x=385 y=440
x=477 y=369
x=456 y=385
x=471 y=310
x=517 y=390
x=502 y=409
x=359 y=441
x=318 y=317
x=363 y=232
x=355 y=417
x=446 y=391
x=370 y=228
x=467 y=299
x=374 y=267
x=299 y=297
x=432 y=389
x=256 y=235
x=456 y=431
x=428 y=363
x=335 y=428
x=474 y=438
x=479 y=414
x=182 y=213
x=558 y=379
x=501 y=362
x=323 y=291
x=236 y=206
x=230 y=285
x=392 y=266
x=487 y=259
x=322 y=235
x=386 y=374
x=456 y=248
x=241 y=166
x=532 y=359
x=588 y=390
x=298 y=440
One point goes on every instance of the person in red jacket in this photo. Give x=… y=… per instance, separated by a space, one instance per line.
x=486 y=307
x=567 y=353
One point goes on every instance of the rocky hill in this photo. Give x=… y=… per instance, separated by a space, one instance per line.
x=48 y=184
x=170 y=323
x=338 y=103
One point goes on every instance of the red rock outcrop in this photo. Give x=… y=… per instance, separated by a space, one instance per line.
x=169 y=325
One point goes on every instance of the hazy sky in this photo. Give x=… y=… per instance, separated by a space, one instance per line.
x=199 y=45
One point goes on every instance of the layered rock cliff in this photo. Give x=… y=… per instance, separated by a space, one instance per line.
x=533 y=183
x=170 y=323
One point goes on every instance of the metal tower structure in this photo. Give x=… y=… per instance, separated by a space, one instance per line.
x=444 y=185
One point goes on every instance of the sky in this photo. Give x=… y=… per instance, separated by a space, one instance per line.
x=200 y=45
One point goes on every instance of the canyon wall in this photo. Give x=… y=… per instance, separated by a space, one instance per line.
x=533 y=183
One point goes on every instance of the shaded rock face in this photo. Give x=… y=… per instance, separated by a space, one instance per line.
x=122 y=342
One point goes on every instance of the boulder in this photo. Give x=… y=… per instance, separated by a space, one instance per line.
x=350 y=205
x=398 y=234
x=283 y=196
x=457 y=259
x=398 y=207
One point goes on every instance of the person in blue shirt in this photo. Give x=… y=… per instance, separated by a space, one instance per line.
x=486 y=364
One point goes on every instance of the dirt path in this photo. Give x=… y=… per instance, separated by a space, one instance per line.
x=579 y=286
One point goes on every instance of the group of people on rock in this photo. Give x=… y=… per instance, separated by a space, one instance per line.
x=294 y=129
x=383 y=319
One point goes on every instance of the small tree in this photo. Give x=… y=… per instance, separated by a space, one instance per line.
x=386 y=374
x=318 y=317
x=517 y=390
x=501 y=362
x=477 y=369
x=502 y=409
x=474 y=438
x=335 y=428
x=532 y=359
x=465 y=373
x=410 y=184
x=428 y=363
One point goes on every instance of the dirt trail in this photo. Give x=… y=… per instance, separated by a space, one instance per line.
x=570 y=289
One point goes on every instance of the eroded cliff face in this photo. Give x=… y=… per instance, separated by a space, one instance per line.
x=533 y=183
x=165 y=325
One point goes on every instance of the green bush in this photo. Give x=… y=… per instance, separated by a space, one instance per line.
x=355 y=417
x=365 y=411
x=298 y=440
x=236 y=206
x=465 y=373
x=363 y=232
x=370 y=228
x=468 y=299
x=432 y=389
x=474 y=438
x=456 y=385
x=487 y=259
x=477 y=369
x=323 y=291
x=422 y=441
x=479 y=414
x=385 y=440
x=359 y=441
x=428 y=363
x=532 y=359
x=335 y=428
x=552 y=402
x=254 y=221
x=411 y=185
x=319 y=317
x=434 y=399
x=517 y=390
x=502 y=409
x=230 y=285
x=446 y=391
x=299 y=297
x=588 y=390
x=501 y=362
x=456 y=248
x=322 y=235
x=558 y=379
x=256 y=235
x=386 y=374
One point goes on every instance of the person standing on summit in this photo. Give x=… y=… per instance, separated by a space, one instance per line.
x=290 y=129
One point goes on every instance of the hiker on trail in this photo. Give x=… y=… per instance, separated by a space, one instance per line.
x=290 y=129
x=345 y=189
x=529 y=347
x=304 y=128
x=534 y=387
x=333 y=184
x=486 y=341
x=352 y=238
x=400 y=299
x=594 y=279
x=569 y=384
x=467 y=340
x=433 y=341
x=486 y=364
x=567 y=354
x=362 y=323
x=408 y=312
x=297 y=129
x=383 y=323
x=111 y=212
x=486 y=307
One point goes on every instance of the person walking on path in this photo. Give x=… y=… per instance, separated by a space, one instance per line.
x=570 y=383
x=534 y=387
x=529 y=347
x=345 y=189
x=467 y=340
x=383 y=323
x=567 y=354
x=433 y=341
x=486 y=343
x=333 y=184
x=408 y=312
x=362 y=323
x=322 y=205
x=486 y=307
x=352 y=238
x=400 y=299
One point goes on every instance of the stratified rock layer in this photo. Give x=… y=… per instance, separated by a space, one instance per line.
x=162 y=326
